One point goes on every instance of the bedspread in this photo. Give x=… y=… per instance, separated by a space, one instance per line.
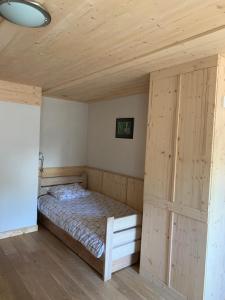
x=84 y=218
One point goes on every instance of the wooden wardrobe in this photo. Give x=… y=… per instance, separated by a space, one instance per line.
x=183 y=239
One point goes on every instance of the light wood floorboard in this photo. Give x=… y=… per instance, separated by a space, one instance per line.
x=39 y=266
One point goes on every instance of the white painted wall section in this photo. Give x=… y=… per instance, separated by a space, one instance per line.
x=63 y=138
x=19 y=147
x=107 y=152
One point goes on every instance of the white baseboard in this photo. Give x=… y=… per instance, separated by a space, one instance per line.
x=20 y=231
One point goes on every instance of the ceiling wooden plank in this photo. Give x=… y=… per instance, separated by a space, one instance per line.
x=92 y=48
x=141 y=59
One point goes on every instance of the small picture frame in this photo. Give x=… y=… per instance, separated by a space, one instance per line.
x=125 y=128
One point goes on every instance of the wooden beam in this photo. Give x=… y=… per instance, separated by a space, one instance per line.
x=20 y=93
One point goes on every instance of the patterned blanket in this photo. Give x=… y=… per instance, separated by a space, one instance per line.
x=84 y=218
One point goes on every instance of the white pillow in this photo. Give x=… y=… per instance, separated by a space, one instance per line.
x=68 y=192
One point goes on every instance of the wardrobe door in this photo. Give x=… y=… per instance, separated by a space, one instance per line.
x=177 y=180
x=158 y=185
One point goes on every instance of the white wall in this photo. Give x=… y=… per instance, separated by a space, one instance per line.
x=63 y=138
x=19 y=146
x=119 y=155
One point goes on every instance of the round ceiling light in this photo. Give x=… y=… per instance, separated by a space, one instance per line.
x=24 y=13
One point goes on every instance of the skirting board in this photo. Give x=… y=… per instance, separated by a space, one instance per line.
x=20 y=231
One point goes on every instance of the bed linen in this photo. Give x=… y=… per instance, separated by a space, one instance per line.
x=68 y=192
x=84 y=218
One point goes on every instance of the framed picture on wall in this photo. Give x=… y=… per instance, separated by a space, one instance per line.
x=124 y=128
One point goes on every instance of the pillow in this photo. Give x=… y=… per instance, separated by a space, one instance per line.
x=43 y=191
x=68 y=192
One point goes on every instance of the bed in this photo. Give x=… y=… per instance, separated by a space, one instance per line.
x=102 y=231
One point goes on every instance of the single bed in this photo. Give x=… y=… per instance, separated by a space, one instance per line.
x=102 y=231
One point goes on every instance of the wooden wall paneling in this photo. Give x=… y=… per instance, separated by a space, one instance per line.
x=63 y=171
x=181 y=210
x=188 y=256
x=187 y=67
x=123 y=188
x=59 y=180
x=185 y=124
x=155 y=243
x=159 y=147
x=159 y=171
x=173 y=181
x=195 y=138
x=115 y=186
x=197 y=90
x=20 y=93
x=95 y=178
x=134 y=195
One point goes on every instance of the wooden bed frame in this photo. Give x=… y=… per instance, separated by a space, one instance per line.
x=122 y=241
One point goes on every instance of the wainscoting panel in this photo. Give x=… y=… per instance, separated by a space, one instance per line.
x=121 y=187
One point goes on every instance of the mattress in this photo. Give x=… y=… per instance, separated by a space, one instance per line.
x=84 y=218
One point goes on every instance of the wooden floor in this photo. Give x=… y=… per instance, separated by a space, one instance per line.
x=38 y=266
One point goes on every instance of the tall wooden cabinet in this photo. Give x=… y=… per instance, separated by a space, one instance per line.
x=183 y=241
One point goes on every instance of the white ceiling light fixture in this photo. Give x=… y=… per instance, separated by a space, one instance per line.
x=25 y=13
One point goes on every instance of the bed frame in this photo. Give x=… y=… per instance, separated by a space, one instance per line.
x=122 y=241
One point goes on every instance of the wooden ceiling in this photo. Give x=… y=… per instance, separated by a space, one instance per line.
x=98 y=49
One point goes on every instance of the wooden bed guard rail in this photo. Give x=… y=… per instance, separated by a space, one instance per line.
x=123 y=241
